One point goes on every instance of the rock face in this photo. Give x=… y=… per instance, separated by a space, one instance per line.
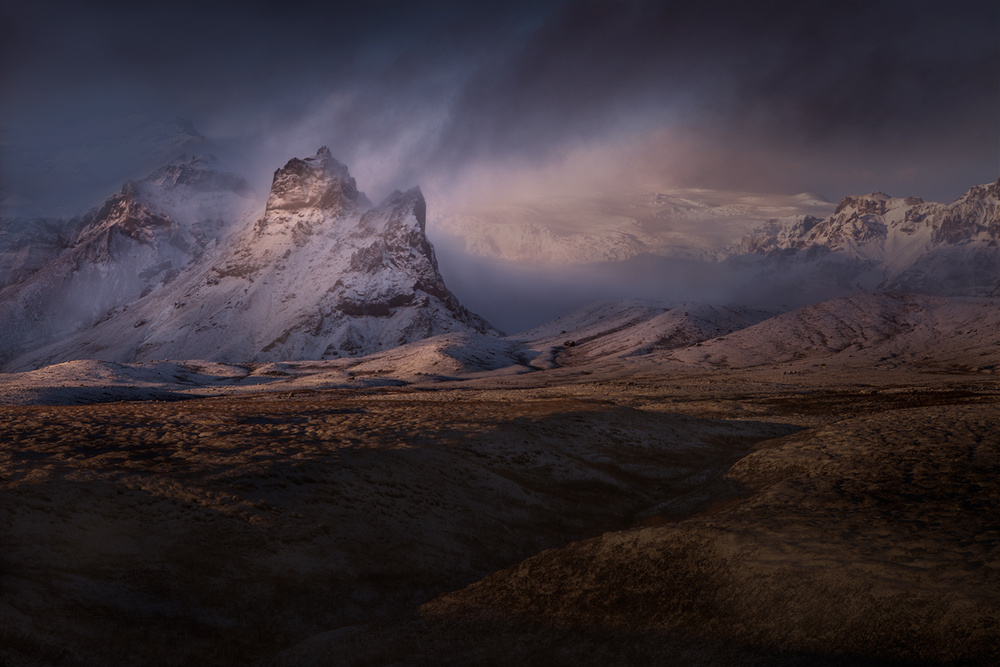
x=877 y=242
x=321 y=274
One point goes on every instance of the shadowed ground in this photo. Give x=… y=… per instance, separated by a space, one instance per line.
x=588 y=522
x=222 y=530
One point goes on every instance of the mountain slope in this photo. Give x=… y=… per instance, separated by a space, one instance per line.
x=636 y=327
x=866 y=330
x=139 y=239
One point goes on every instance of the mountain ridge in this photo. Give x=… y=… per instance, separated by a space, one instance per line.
x=877 y=242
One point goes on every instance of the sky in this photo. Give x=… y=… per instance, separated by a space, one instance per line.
x=481 y=99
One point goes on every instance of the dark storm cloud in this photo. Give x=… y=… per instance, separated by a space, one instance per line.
x=749 y=82
x=828 y=96
x=263 y=80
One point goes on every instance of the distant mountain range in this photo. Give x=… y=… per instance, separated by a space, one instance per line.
x=877 y=242
x=733 y=247
x=614 y=226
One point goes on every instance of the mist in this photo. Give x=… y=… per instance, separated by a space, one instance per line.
x=509 y=297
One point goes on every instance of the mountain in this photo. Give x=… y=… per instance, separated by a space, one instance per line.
x=877 y=242
x=321 y=274
x=707 y=245
x=140 y=239
x=615 y=226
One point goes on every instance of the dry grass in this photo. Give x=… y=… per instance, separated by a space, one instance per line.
x=220 y=531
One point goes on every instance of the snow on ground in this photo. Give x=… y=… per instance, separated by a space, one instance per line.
x=454 y=354
x=884 y=331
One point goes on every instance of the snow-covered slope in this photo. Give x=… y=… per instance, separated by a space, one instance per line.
x=876 y=242
x=138 y=240
x=871 y=332
x=634 y=328
x=320 y=275
x=611 y=227
x=868 y=330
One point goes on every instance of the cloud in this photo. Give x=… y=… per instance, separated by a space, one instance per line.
x=833 y=97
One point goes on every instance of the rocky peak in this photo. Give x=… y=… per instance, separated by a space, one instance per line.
x=127 y=214
x=875 y=202
x=319 y=182
x=987 y=191
x=974 y=214
x=396 y=229
x=201 y=173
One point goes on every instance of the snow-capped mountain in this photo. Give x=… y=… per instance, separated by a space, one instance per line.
x=321 y=274
x=877 y=242
x=615 y=226
x=749 y=248
x=140 y=239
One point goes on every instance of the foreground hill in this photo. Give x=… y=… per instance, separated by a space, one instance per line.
x=534 y=518
x=874 y=332
x=873 y=541
x=221 y=531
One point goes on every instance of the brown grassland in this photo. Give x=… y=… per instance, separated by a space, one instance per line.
x=729 y=517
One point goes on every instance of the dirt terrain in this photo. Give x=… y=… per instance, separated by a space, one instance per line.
x=767 y=516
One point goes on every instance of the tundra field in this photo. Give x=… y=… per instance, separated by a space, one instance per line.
x=626 y=514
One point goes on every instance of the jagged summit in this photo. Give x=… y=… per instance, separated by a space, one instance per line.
x=986 y=193
x=394 y=208
x=874 y=202
x=319 y=182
